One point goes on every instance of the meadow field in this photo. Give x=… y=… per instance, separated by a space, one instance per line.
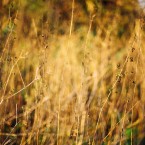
x=72 y=72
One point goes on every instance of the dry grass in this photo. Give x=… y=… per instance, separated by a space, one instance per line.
x=77 y=88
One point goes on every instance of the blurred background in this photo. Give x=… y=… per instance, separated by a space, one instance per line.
x=72 y=72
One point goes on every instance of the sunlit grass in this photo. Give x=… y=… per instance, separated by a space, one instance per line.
x=85 y=86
